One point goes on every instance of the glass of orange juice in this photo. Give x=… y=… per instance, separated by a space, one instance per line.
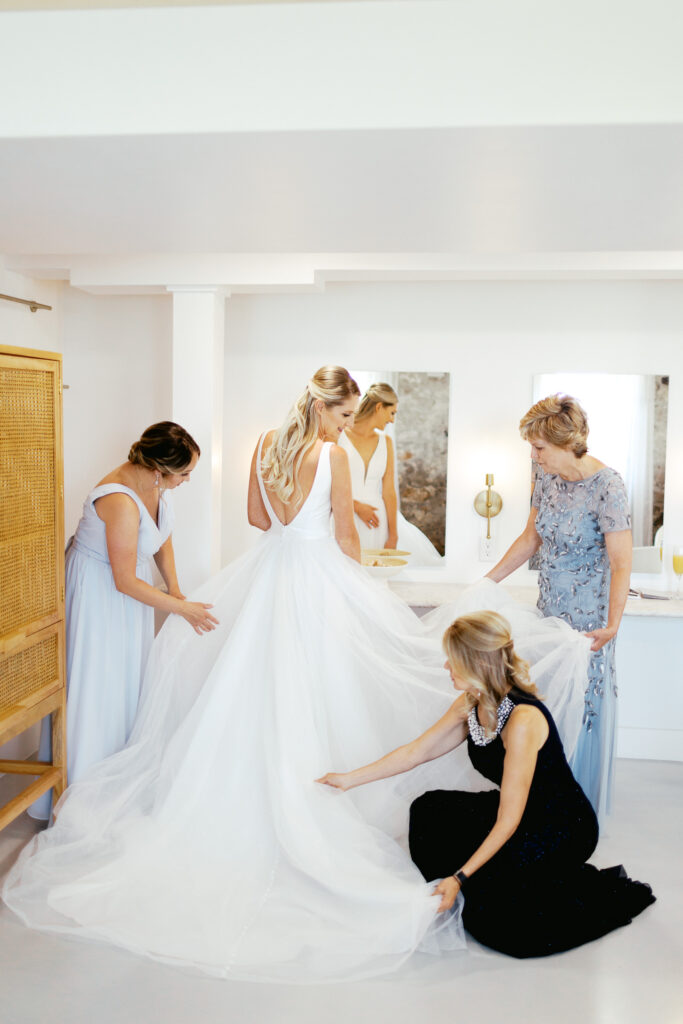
x=678 y=567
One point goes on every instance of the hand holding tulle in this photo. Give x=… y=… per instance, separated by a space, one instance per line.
x=448 y=889
x=337 y=780
x=600 y=637
x=198 y=616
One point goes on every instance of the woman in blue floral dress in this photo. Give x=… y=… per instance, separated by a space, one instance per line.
x=580 y=522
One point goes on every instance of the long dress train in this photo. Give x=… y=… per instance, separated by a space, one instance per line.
x=206 y=841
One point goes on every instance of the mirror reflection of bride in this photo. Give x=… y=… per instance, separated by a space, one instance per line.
x=372 y=461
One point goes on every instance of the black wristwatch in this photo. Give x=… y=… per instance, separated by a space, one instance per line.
x=461 y=877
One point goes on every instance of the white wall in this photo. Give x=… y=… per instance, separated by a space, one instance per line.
x=117 y=364
x=20 y=327
x=118 y=371
x=491 y=336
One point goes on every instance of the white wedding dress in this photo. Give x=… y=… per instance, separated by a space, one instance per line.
x=206 y=842
x=366 y=485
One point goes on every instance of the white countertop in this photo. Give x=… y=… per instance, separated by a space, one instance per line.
x=431 y=594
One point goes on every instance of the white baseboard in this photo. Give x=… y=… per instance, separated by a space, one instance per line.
x=650 y=744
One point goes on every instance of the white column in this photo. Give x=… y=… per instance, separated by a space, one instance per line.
x=198 y=344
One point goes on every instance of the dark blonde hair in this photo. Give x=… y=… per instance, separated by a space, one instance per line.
x=479 y=648
x=377 y=394
x=165 y=447
x=332 y=385
x=559 y=420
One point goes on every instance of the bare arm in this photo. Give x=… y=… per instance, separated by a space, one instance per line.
x=520 y=551
x=256 y=510
x=389 y=497
x=523 y=736
x=619 y=547
x=444 y=736
x=345 y=530
x=121 y=518
x=165 y=560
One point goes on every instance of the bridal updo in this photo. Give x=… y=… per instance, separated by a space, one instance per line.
x=377 y=394
x=164 y=447
x=479 y=648
x=559 y=420
x=331 y=385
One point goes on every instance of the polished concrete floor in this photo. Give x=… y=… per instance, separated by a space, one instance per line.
x=633 y=976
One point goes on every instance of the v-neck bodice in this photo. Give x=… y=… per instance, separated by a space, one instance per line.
x=91 y=534
x=366 y=481
x=312 y=521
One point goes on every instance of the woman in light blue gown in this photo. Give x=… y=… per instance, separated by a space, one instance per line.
x=580 y=522
x=127 y=520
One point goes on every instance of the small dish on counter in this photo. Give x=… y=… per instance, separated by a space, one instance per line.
x=381 y=566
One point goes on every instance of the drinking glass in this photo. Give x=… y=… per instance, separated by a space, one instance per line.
x=678 y=567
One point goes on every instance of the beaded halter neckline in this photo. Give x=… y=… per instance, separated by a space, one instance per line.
x=477 y=732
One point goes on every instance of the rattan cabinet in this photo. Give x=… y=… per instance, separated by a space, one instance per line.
x=32 y=655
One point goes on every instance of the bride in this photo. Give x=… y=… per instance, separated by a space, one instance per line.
x=206 y=841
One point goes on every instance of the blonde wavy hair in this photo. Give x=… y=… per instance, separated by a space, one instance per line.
x=380 y=393
x=331 y=385
x=479 y=649
x=559 y=420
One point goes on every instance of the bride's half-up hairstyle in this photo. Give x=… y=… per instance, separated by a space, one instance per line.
x=165 y=447
x=331 y=385
x=479 y=648
x=559 y=420
x=380 y=393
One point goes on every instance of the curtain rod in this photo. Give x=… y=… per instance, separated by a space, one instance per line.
x=31 y=303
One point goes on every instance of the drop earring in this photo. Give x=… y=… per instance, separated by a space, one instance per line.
x=156 y=479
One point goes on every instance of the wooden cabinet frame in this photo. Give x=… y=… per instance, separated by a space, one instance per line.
x=32 y=646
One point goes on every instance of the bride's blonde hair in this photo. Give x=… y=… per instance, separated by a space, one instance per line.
x=479 y=648
x=332 y=385
x=377 y=394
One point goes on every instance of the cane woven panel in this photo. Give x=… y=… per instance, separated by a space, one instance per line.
x=28 y=671
x=28 y=566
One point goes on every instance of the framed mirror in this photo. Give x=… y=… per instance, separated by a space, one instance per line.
x=627 y=419
x=419 y=439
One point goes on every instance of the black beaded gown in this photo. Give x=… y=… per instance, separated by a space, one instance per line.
x=537 y=895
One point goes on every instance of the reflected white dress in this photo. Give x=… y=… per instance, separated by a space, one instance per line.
x=206 y=841
x=367 y=487
x=108 y=639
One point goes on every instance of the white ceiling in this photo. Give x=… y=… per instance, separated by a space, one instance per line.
x=476 y=190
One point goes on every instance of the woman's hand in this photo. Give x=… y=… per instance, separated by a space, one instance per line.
x=448 y=889
x=392 y=541
x=600 y=637
x=368 y=513
x=178 y=594
x=337 y=780
x=198 y=616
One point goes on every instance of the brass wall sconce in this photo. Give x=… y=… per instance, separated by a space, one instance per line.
x=488 y=504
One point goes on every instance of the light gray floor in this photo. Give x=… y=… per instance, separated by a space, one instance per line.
x=633 y=976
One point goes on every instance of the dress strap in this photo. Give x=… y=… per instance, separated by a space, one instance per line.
x=262 y=488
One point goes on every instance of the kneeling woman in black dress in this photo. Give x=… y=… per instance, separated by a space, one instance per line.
x=519 y=852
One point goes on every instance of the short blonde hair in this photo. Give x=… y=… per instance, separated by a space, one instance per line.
x=559 y=420
x=479 y=648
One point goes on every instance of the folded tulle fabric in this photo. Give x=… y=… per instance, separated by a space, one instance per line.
x=206 y=842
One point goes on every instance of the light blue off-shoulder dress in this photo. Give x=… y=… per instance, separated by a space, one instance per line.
x=108 y=639
x=572 y=519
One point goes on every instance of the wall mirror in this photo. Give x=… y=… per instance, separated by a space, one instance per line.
x=420 y=439
x=627 y=417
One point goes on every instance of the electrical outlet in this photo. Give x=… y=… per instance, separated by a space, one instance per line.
x=486 y=550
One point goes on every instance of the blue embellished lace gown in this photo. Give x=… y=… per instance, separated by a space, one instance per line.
x=537 y=895
x=572 y=519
